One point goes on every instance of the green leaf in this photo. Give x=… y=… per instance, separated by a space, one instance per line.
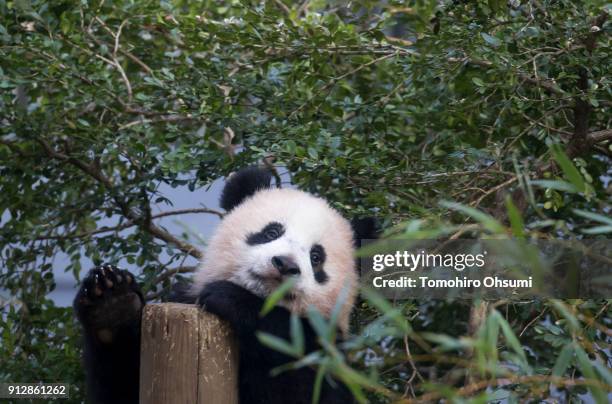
x=604 y=372
x=478 y=81
x=597 y=230
x=277 y=296
x=563 y=360
x=566 y=313
x=278 y=344
x=446 y=342
x=596 y=217
x=297 y=334
x=65 y=24
x=516 y=220
x=376 y=300
x=569 y=169
x=316 y=388
x=512 y=340
x=490 y=334
x=491 y=40
x=487 y=221
x=588 y=371
x=318 y=322
x=555 y=184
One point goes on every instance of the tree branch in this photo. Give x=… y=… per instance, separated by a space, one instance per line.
x=135 y=59
x=13 y=147
x=547 y=85
x=580 y=141
x=187 y=211
x=129 y=224
x=87 y=234
x=166 y=118
x=600 y=136
x=97 y=174
x=283 y=7
x=169 y=273
x=330 y=84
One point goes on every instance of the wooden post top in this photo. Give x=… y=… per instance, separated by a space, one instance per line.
x=187 y=356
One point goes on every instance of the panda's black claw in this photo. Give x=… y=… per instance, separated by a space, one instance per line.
x=100 y=280
x=108 y=298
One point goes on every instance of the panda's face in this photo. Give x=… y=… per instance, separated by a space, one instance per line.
x=291 y=247
x=281 y=234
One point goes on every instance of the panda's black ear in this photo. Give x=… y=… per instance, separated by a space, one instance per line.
x=242 y=184
x=365 y=228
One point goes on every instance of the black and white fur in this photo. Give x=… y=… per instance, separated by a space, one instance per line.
x=268 y=235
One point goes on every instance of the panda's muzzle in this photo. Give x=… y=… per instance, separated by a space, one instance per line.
x=285 y=265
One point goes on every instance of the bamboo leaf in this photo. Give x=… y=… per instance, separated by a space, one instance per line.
x=555 y=184
x=277 y=296
x=569 y=169
x=516 y=220
x=512 y=340
x=596 y=217
x=563 y=360
x=297 y=334
x=588 y=371
x=278 y=344
x=487 y=221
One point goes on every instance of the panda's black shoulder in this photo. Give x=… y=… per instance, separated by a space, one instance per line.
x=181 y=293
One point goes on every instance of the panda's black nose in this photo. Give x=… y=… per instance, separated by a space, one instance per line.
x=285 y=265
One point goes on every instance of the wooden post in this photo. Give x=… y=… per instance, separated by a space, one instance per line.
x=186 y=356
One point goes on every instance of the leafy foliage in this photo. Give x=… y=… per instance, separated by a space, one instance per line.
x=386 y=108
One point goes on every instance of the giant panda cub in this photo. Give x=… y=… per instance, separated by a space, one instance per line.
x=268 y=235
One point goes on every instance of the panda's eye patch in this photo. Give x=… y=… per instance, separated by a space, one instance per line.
x=317 y=255
x=270 y=232
x=317 y=258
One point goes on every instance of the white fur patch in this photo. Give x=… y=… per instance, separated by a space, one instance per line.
x=307 y=220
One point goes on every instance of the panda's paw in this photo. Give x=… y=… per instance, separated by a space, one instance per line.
x=109 y=297
x=232 y=303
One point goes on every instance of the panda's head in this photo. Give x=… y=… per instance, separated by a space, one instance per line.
x=272 y=234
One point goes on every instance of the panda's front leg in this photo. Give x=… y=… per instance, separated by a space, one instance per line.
x=234 y=304
x=109 y=306
x=242 y=310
